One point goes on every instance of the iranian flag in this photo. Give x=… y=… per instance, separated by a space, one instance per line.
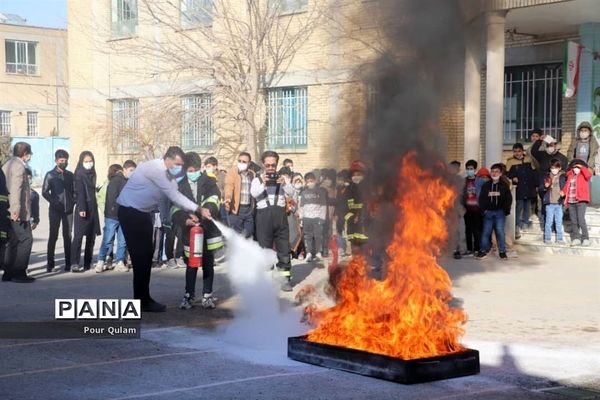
x=571 y=68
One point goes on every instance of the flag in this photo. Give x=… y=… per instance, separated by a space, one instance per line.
x=571 y=68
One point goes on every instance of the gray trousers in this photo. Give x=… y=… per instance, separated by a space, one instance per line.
x=18 y=249
x=577 y=216
x=313 y=234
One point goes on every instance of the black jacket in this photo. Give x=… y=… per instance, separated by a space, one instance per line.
x=527 y=180
x=115 y=185
x=495 y=196
x=207 y=189
x=544 y=158
x=58 y=190
x=85 y=200
x=5 y=225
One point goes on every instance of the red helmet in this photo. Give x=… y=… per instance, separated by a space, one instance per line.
x=357 y=166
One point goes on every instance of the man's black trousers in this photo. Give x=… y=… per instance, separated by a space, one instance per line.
x=138 y=229
x=272 y=229
x=57 y=218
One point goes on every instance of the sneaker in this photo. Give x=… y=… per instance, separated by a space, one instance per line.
x=208 y=301
x=318 y=257
x=121 y=267
x=503 y=255
x=186 y=302
x=575 y=242
x=301 y=256
x=457 y=255
x=172 y=263
x=109 y=264
x=547 y=241
x=309 y=257
x=585 y=242
x=468 y=254
x=77 y=268
x=286 y=286
x=481 y=255
x=561 y=242
x=99 y=266
x=180 y=263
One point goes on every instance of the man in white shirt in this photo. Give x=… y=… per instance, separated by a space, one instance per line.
x=270 y=190
x=150 y=188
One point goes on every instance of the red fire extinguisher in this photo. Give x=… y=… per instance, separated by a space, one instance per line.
x=196 y=241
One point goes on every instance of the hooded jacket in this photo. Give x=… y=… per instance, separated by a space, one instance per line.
x=113 y=189
x=582 y=190
x=495 y=196
x=546 y=192
x=527 y=179
x=544 y=158
x=593 y=148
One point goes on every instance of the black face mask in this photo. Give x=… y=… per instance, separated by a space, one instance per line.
x=63 y=166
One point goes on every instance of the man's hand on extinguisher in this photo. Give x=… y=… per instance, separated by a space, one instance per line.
x=204 y=212
x=192 y=220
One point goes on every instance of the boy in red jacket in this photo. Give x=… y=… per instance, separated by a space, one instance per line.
x=577 y=196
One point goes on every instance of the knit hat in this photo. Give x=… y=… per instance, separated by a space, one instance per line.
x=483 y=171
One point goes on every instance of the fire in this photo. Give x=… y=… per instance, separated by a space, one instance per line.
x=406 y=315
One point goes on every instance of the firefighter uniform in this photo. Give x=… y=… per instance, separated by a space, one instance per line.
x=207 y=195
x=271 y=222
x=356 y=215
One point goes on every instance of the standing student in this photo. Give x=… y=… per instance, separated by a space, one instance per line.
x=86 y=221
x=59 y=193
x=577 y=197
x=551 y=188
x=313 y=212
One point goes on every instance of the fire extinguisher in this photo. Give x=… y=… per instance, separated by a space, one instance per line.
x=196 y=241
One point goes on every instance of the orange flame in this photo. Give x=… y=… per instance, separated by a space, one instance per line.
x=406 y=315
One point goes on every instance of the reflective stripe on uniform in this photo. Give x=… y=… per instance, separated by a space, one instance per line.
x=285 y=272
x=3 y=198
x=358 y=236
x=348 y=216
x=211 y=199
x=214 y=243
x=174 y=210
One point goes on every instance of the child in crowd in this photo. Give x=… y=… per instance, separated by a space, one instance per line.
x=470 y=200
x=550 y=188
x=577 y=197
x=202 y=189
x=313 y=212
x=495 y=201
x=523 y=176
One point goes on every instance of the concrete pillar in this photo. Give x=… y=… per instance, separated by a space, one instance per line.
x=494 y=94
x=472 y=140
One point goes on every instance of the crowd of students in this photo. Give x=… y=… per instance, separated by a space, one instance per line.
x=546 y=182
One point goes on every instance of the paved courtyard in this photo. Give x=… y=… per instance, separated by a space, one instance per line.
x=535 y=320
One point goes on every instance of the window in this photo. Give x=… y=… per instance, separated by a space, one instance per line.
x=32 y=123
x=21 y=57
x=125 y=125
x=291 y=6
x=287 y=118
x=196 y=13
x=196 y=124
x=124 y=18
x=532 y=99
x=4 y=123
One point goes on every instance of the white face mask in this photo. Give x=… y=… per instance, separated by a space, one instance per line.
x=554 y=171
x=357 y=179
x=88 y=165
x=311 y=185
x=242 y=167
x=550 y=149
x=576 y=171
x=297 y=186
x=495 y=178
x=584 y=134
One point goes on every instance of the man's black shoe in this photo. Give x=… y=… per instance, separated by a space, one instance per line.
x=6 y=277
x=23 y=279
x=153 y=306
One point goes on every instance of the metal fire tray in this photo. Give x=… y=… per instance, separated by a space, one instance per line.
x=384 y=367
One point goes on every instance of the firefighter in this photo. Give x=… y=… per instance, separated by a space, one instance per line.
x=203 y=190
x=272 y=227
x=355 y=210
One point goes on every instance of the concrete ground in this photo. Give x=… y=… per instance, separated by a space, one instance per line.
x=535 y=320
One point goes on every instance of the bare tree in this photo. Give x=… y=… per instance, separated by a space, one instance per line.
x=233 y=49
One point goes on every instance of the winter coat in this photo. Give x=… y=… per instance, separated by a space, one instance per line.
x=591 y=160
x=85 y=198
x=527 y=179
x=58 y=190
x=582 y=193
x=544 y=158
x=5 y=225
x=495 y=196
x=113 y=189
x=546 y=192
